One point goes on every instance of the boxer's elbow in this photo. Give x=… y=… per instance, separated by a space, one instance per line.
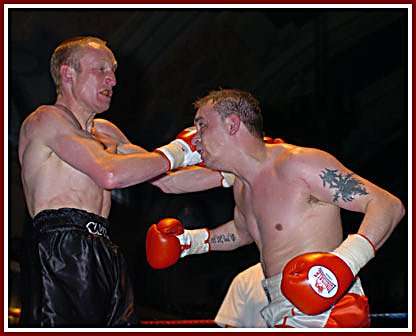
x=398 y=209
x=107 y=180
x=244 y=238
x=106 y=177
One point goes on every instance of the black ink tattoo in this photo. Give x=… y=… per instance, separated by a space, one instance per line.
x=346 y=186
x=223 y=238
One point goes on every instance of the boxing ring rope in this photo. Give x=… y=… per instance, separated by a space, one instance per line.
x=188 y=323
x=14 y=313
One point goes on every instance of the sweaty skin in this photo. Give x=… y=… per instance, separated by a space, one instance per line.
x=280 y=214
x=288 y=198
x=68 y=158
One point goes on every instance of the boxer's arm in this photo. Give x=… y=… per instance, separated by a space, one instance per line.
x=230 y=235
x=189 y=179
x=167 y=241
x=81 y=151
x=331 y=182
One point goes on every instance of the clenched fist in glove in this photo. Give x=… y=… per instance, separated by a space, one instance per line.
x=270 y=140
x=314 y=282
x=167 y=241
x=182 y=152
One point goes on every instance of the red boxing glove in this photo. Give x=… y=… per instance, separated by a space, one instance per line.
x=314 y=282
x=278 y=141
x=162 y=246
x=189 y=136
x=270 y=140
x=167 y=241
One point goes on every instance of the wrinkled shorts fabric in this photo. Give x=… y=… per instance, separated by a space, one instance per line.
x=77 y=276
x=351 y=311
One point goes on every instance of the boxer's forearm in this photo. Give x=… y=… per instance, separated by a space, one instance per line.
x=190 y=179
x=228 y=237
x=129 y=148
x=382 y=215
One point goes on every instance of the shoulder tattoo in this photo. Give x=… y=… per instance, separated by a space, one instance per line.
x=345 y=186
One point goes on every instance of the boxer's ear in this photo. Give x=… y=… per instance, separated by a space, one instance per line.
x=233 y=123
x=67 y=73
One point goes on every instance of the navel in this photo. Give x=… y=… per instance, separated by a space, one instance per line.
x=278 y=227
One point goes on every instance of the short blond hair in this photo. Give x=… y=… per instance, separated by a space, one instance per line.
x=67 y=52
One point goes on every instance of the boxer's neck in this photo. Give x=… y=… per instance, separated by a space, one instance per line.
x=87 y=126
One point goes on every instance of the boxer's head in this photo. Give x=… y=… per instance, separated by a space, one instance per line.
x=242 y=104
x=69 y=52
x=219 y=120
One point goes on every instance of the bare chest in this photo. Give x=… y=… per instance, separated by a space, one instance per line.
x=272 y=201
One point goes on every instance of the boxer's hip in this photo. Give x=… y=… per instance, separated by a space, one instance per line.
x=81 y=276
x=351 y=311
x=66 y=219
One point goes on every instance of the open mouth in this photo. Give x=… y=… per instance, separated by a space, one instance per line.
x=107 y=93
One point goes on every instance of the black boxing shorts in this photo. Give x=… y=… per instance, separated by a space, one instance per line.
x=78 y=277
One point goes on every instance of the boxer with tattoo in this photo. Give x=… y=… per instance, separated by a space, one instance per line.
x=288 y=201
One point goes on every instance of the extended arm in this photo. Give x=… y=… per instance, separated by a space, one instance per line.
x=108 y=170
x=81 y=150
x=167 y=241
x=230 y=235
x=191 y=179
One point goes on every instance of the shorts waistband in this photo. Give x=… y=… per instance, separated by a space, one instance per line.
x=55 y=219
x=271 y=287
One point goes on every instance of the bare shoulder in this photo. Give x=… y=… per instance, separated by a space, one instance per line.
x=45 y=124
x=104 y=123
x=297 y=160
x=39 y=121
x=38 y=127
x=45 y=118
x=306 y=154
x=109 y=128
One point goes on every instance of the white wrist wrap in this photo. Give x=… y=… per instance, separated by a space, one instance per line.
x=174 y=153
x=194 y=241
x=356 y=251
x=227 y=179
x=180 y=154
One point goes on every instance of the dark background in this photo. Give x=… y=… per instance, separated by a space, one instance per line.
x=326 y=78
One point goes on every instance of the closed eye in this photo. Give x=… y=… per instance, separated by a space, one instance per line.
x=200 y=125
